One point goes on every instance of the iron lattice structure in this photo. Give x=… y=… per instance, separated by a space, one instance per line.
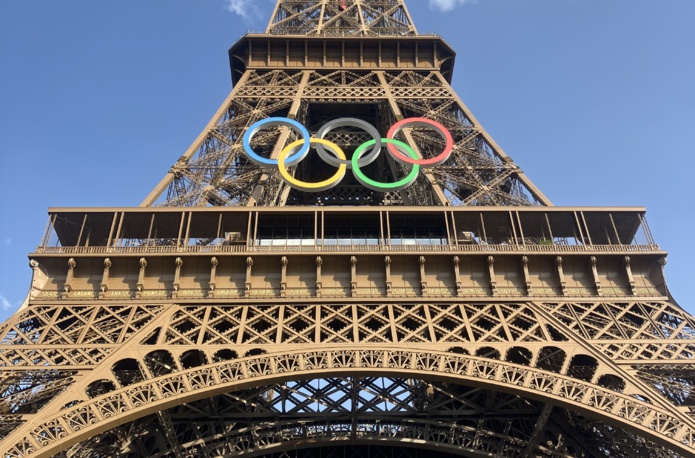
x=322 y=59
x=231 y=315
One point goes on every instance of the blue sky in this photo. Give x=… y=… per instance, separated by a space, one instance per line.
x=593 y=99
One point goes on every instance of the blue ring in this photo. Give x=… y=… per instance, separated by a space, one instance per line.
x=292 y=124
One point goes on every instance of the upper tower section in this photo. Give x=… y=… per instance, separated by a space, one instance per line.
x=329 y=35
x=341 y=18
x=354 y=76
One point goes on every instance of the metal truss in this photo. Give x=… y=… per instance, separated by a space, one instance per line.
x=402 y=412
x=215 y=171
x=111 y=357
x=511 y=379
x=341 y=18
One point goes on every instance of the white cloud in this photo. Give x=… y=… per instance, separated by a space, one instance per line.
x=4 y=303
x=448 y=5
x=248 y=9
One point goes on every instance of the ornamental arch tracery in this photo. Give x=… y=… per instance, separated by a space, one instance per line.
x=137 y=400
x=127 y=372
x=193 y=358
x=160 y=362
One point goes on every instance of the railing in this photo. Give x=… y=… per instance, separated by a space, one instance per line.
x=471 y=248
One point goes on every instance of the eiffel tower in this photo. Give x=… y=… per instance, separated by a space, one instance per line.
x=345 y=264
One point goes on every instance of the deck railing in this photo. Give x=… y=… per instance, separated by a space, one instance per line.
x=467 y=248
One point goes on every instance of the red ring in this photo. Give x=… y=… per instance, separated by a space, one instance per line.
x=439 y=159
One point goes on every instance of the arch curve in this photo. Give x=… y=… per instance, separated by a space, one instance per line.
x=86 y=419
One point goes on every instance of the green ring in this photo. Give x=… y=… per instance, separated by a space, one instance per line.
x=376 y=185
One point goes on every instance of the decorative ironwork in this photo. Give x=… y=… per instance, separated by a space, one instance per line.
x=351 y=323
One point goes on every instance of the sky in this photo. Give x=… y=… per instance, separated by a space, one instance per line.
x=593 y=99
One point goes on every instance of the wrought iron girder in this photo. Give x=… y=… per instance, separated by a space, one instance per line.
x=186 y=386
x=343 y=78
x=210 y=166
x=635 y=330
x=435 y=437
x=368 y=17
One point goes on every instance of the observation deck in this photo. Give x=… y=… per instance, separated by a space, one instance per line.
x=312 y=253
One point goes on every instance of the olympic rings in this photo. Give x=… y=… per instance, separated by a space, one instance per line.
x=422 y=122
x=333 y=155
x=292 y=124
x=349 y=122
x=303 y=185
x=375 y=185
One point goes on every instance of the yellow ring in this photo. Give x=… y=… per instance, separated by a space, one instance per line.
x=312 y=187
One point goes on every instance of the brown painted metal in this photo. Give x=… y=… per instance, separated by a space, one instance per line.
x=229 y=315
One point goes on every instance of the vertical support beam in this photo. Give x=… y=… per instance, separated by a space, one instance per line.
x=354 y=319
x=219 y=229
x=281 y=325
x=319 y=282
x=382 y=231
x=513 y=224
x=594 y=273
x=550 y=229
x=527 y=276
x=283 y=276
x=204 y=325
x=323 y=14
x=70 y=275
x=388 y=228
x=630 y=277
x=583 y=230
x=392 y=322
x=188 y=229
x=250 y=233
x=482 y=226
x=149 y=232
x=247 y=283
x=256 y=218
x=454 y=230
x=141 y=279
x=104 y=286
x=615 y=229
x=521 y=228
x=317 y=328
x=491 y=272
x=178 y=262
x=561 y=275
x=316 y=229
x=363 y=25
x=117 y=237
x=242 y=322
x=423 y=276
x=662 y=268
x=353 y=276
x=389 y=284
x=213 y=277
x=457 y=274
x=430 y=324
x=79 y=237
x=178 y=238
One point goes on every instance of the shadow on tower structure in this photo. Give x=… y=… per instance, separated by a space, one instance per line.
x=345 y=264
